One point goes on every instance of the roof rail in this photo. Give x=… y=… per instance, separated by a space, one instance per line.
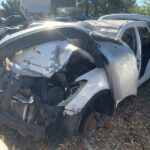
x=126 y=16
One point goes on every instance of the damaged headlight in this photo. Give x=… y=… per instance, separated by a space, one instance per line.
x=78 y=86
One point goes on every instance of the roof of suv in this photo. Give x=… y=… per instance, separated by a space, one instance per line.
x=110 y=23
x=126 y=16
x=108 y=28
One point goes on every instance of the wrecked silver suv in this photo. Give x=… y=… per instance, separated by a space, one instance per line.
x=53 y=75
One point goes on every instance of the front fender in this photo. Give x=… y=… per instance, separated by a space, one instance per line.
x=121 y=69
x=97 y=81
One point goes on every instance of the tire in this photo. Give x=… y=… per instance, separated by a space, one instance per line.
x=89 y=123
x=72 y=124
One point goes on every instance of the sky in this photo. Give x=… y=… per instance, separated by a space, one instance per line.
x=139 y=2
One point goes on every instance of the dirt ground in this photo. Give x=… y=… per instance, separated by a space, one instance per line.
x=127 y=129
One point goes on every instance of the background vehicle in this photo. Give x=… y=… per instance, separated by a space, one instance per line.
x=13 y=21
x=64 y=19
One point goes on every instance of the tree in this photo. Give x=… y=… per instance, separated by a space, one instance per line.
x=144 y=9
x=96 y=5
x=11 y=7
x=117 y=6
x=109 y=6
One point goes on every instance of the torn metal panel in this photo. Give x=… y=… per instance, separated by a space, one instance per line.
x=44 y=60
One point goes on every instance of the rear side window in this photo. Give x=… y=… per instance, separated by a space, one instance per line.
x=129 y=37
x=145 y=47
x=145 y=38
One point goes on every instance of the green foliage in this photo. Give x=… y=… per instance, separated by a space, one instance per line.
x=144 y=9
x=108 y=6
x=11 y=7
x=90 y=7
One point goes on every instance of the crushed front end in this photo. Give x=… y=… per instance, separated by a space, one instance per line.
x=52 y=75
x=35 y=80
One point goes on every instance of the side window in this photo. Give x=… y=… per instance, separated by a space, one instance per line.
x=145 y=39
x=129 y=37
x=145 y=47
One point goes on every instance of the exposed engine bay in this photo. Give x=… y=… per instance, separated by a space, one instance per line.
x=34 y=100
x=33 y=86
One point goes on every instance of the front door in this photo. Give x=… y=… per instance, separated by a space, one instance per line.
x=131 y=38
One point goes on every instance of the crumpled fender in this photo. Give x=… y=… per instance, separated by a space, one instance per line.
x=97 y=80
x=121 y=69
x=120 y=75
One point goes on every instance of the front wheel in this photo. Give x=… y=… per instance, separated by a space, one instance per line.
x=90 y=123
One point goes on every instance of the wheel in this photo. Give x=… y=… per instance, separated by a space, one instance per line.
x=89 y=123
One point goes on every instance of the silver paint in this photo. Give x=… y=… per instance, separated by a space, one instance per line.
x=45 y=59
x=122 y=69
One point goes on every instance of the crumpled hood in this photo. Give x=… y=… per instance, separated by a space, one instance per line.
x=42 y=60
x=25 y=39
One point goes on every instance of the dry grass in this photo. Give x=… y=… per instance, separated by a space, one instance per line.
x=129 y=128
